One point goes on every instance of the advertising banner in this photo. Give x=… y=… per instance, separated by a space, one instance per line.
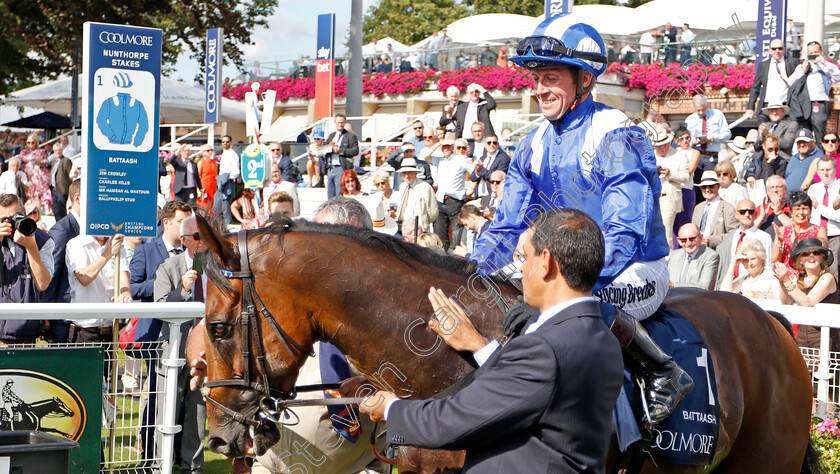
x=556 y=7
x=325 y=67
x=770 y=25
x=41 y=394
x=213 y=75
x=120 y=132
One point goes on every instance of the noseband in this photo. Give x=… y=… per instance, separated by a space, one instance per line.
x=252 y=307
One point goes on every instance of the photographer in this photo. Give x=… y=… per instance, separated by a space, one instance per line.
x=27 y=267
x=809 y=101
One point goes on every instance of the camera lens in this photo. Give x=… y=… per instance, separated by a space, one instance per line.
x=26 y=226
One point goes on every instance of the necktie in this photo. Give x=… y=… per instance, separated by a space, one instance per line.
x=703 y=132
x=773 y=126
x=740 y=239
x=198 y=290
x=403 y=202
x=684 y=274
x=823 y=219
x=705 y=216
x=779 y=71
x=826 y=82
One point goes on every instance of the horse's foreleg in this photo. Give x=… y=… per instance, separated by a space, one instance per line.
x=429 y=461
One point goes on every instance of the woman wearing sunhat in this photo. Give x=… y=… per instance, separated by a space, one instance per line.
x=813 y=284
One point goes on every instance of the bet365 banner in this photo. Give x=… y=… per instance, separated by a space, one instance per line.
x=121 y=113
x=325 y=67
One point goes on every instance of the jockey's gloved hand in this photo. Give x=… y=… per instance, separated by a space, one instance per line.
x=518 y=318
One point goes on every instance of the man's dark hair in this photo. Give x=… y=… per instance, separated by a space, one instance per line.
x=228 y=137
x=7 y=200
x=467 y=211
x=340 y=115
x=681 y=131
x=75 y=187
x=171 y=207
x=576 y=243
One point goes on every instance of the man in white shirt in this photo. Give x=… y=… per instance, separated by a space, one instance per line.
x=8 y=180
x=823 y=195
x=646 y=43
x=709 y=133
x=278 y=184
x=686 y=38
x=91 y=274
x=452 y=173
x=226 y=181
x=821 y=74
x=745 y=213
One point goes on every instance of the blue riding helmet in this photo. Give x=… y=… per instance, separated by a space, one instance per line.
x=563 y=39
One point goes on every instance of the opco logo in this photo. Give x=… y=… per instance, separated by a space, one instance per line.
x=137 y=40
x=94 y=226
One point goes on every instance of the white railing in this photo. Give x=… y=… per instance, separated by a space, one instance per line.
x=821 y=315
x=173 y=313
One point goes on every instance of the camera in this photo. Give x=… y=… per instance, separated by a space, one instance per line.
x=812 y=57
x=20 y=222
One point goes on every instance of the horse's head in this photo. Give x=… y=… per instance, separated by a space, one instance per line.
x=250 y=340
x=61 y=408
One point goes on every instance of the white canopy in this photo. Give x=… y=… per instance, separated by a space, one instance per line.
x=179 y=102
x=488 y=28
x=381 y=46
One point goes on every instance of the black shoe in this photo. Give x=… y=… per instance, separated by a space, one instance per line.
x=666 y=383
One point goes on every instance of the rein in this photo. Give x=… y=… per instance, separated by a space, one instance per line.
x=275 y=403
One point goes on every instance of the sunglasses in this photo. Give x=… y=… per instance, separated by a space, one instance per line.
x=428 y=137
x=684 y=138
x=493 y=181
x=687 y=239
x=723 y=174
x=491 y=143
x=777 y=48
x=462 y=148
x=418 y=128
x=196 y=236
x=746 y=211
x=225 y=141
x=773 y=149
x=379 y=183
x=549 y=47
x=275 y=149
x=707 y=186
x=830 y=140
x=809 y=253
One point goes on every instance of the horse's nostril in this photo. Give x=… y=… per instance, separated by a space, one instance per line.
x=217 y=445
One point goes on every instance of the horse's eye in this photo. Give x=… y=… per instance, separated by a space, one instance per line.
x=220 y=330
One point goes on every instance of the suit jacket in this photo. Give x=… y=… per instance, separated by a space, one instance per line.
x=179 y=181
x=678 y=174
x=144 y=264
x=62 y=232
x=723 y=221
x=759 y=168
x=759 y=87
x=501 y=162
x=786 y=131
x=528 y=410
x=348 y=148
x=62 y=176
x=425 y=206
x=168 y=288
x=702 y=270
x=483 y=113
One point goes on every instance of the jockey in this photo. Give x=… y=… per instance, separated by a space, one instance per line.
x=591 y=157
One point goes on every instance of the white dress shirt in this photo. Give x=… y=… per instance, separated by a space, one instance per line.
x=815 y=83
x=716 y=127
x=710 y=217
x=470 y=118
x=82 y=251
x=229 y=163
x=777 y=83
x=817 y=192
x=451 y=178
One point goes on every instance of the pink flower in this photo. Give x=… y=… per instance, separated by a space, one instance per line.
x=827 y=427
x=658 y=80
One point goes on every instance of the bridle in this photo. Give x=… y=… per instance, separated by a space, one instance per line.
x=274 y=404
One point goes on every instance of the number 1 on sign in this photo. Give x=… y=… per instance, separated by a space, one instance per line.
x=703 y=361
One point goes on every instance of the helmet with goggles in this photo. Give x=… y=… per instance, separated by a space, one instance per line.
x=563 y=40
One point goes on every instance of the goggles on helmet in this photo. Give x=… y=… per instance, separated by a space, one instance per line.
x=548 y=47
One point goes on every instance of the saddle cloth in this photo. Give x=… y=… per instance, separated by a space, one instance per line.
x=689 y=436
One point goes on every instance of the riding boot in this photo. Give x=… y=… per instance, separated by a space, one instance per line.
x=666 y=382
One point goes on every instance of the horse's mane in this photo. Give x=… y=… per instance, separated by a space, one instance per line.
x=407 y=252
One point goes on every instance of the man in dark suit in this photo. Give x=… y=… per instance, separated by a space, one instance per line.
x=714 y=217
x=527 y=410
x=186 y=183
x=693 y=265
x=771 y=76
x=60 y=181
x=62 y=232
x=780 y=125
x=455 y=113
x=144 y=265
x=177 y=280
x=345 y=145
x=492 y=160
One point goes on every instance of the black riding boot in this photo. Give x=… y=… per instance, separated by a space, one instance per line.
x=666 y=382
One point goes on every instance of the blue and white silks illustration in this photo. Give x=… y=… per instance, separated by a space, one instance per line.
x=122 y=118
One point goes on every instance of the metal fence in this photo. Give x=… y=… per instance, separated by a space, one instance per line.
x=126 y=379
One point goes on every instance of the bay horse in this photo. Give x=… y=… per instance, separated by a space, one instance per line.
x=366 y=293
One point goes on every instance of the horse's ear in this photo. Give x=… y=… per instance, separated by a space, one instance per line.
x=217 y=243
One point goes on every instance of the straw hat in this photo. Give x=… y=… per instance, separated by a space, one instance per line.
x=409 y=164
x=708 y=177
x=662 y=137
x=738 y=145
